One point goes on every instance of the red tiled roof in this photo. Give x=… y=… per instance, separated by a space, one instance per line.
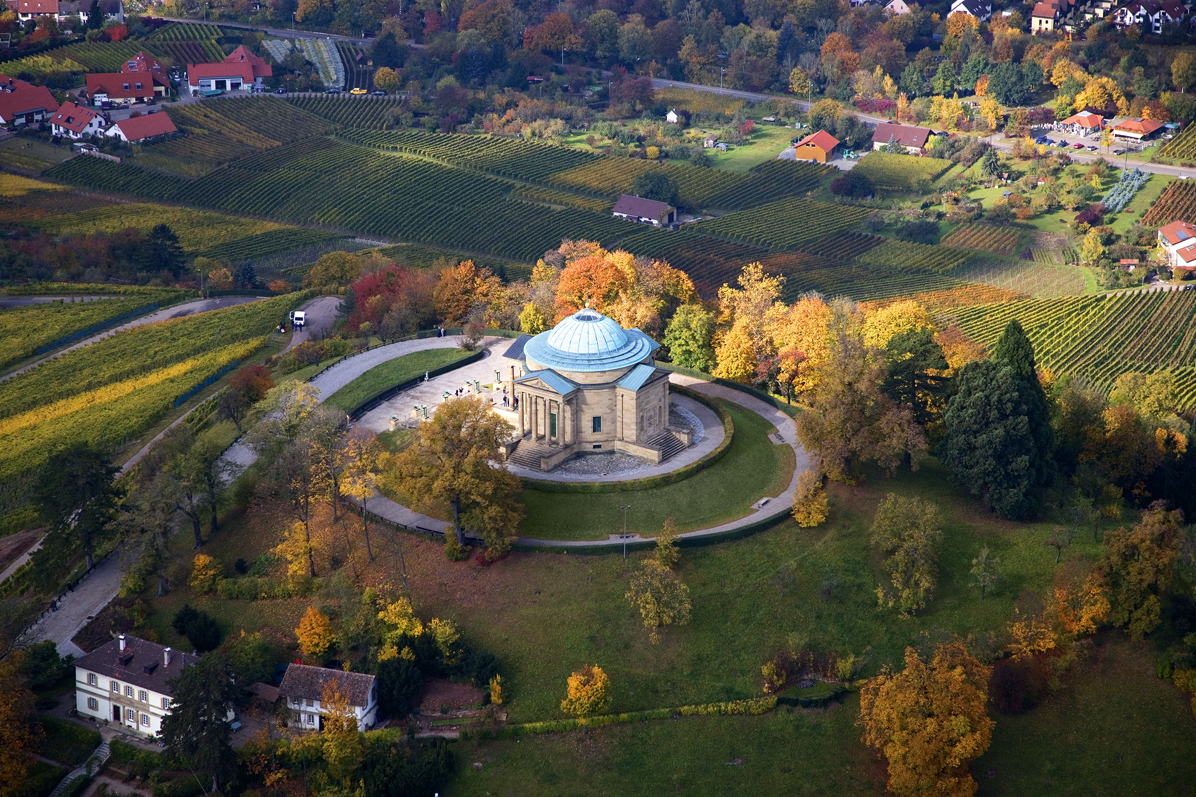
x=1048 y=10
x=905 y=135
x=114 y=85
x=1177 y=232
x=37 y=6
x=220 y=70
x=139 y=127
x=641 y=208
x=73 y=117
x=145 y=64
x=1142 y=126
x=24 y=99
x=243 y=56
x=822 y=139
x=1084 y=119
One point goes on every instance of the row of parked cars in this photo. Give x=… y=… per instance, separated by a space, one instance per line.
x=355 y=92
x=1050 y=142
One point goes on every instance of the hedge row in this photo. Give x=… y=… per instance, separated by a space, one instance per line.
x=188 y=786
x=651 y=482
x=752 y=707
x=252 y=588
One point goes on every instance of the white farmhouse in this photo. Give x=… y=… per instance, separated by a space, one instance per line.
x=303 y=690
x=126 y=682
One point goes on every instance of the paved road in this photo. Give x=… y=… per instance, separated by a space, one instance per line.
x=321 y=315
x=1000 y=143
x=177 y=311
x=89 y=598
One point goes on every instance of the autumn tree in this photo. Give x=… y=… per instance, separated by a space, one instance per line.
x=386 y=79
x=810 y=506
x=1139 y=566
x=634 y=291
x=588 y=692
x=750 y=309
x=1079 y=599
x=363 y=473
x=342 y=740
x=1183 y=70
x=660 y=596
x=907 y=532
x=801 y=337
x=850 y=421
x=986 y=571
x=20 y=733
x=929 y=721
x=915 y=378
x=333 y=270
x=461 y=289
x=453 y=460
x=666 y=551
x=315 y=634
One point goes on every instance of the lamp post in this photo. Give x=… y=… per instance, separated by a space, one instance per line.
x=625 y=508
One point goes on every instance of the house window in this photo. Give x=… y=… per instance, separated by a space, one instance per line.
x=116 y=687
x=92 y=680
x=552 y=424
x=126 y=86
x=93 y=704
x=597 y=424
x=144 y=696
x=309 y=702
x=139 y=87
x=165 y=703
x=131 y=715
x=311 y=719
x=128 y=691
x=145 y=720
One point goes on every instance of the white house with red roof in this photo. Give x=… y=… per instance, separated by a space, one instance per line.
x=259 y=65
x=1178 y=241
x=22 y=103
x=1149 y=14
x=238 y=70
x=142 y=128
x=1137 y=129
x=1082 y=123
x=32 y=9
x=119 y=88
x=75 y=121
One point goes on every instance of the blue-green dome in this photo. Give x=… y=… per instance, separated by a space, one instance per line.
x=588 y=341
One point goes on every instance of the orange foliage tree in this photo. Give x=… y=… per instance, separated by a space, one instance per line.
x=929 y=721
x=461 y=289
x=634 y=291
x=315 y=634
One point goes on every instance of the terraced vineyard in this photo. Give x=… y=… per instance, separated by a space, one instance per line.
x=521 y=160
x=278 y=121
x=25 y=331
x=254 y=247
x=772 y=180
x=102 y=56
x=966 y=295
x=864 y=284
x=1177 y=202
x=1100 y=337
x=998 y=240
x=197 y=230
x=357 y=75
x=188 y=44
x=117 y=177
x=608 y=177
x=906 y=256
x=548 y=196
x=367 y=112
x=1042 y=279
x=902 y=172
x=784 y=224
x=1182 y=147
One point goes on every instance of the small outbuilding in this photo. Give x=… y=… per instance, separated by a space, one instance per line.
x=645 y=211
x=142 y=128
x=303 y=690
x=820 y=147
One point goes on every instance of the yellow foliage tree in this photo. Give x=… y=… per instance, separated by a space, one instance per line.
x=386 y=79
x=1030 y=634
x=660 y=596
x=736 y=355
x=885 y=323
x=445 y=634
x=666 y=547
x=804 y=327
x=588 y=692
x=799 y=81
x=929 y=721
x=342 y=739
x=531 y=320
x=297 y=549
x=1080 y=606
x=496 y=690
x=315 y=634
x=810 y=506
x=205 y=571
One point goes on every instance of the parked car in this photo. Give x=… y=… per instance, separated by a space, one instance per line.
x=358 y=92
x=1091 y=148
x=378 y=93
x=280 y=91
x=1077 y=146
x=332 y=91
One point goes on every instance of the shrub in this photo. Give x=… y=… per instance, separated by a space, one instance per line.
x=199 y=627
x=1017 y=685
x=203 y=576
x=43 y=666
x=852 y=184
x=68 y=742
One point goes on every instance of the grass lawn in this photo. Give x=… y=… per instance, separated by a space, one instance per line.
x=766 y=143
x=389 y=374
x=28 y=153
x=67 y=742
x=1141 y=202
x=1114 y=729
x=751 y=468
x=41 y=780
x=789 y=751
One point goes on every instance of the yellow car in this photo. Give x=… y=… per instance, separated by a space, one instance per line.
x=359 y=92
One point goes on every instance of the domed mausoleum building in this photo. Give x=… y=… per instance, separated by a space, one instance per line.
x=590 y=386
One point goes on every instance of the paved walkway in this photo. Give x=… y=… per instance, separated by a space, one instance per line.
x=177 y=311
x=77 y=608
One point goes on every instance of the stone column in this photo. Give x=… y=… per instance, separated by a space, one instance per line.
x=514 y=396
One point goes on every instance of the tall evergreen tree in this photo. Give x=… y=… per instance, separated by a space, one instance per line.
x=915 y=361
x=987 y=442
x=197 y=730
x=78 y=499
x=1015 y=350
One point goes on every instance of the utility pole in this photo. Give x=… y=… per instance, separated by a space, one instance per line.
x=625 y=508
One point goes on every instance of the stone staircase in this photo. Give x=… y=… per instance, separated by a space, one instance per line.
x=668 y=445
x=92 y=765
x=528 y=453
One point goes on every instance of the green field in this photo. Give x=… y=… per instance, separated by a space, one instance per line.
x=751 y=468
x=389 y=374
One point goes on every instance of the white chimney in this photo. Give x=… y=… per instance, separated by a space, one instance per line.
x=166 y=657
x=122 y=641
